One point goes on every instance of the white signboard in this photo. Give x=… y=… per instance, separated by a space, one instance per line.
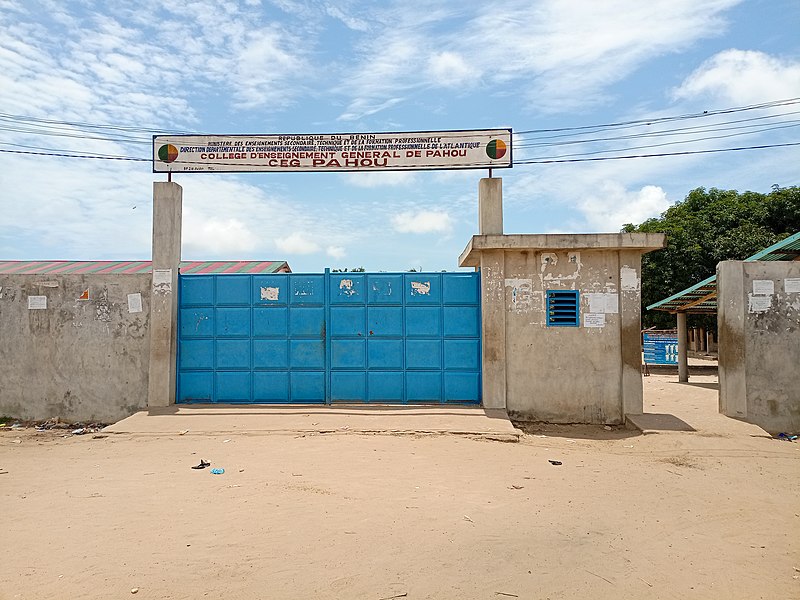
x=417 y=150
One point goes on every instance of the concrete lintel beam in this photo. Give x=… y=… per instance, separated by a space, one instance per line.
x=643 y=242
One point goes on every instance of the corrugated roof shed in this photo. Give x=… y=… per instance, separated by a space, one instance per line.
x=80 y=267
x=701 y=298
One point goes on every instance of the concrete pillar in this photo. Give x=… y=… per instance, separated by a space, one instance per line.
x=490 y=206
x=732 y=304
x=493 y=325
x=683 y=354
x=631 y=338
x=493 y=313
x=167 y=215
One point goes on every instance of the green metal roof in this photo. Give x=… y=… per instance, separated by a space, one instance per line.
x=702 y=297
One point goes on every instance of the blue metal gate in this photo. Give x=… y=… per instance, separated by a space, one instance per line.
x=333 y=337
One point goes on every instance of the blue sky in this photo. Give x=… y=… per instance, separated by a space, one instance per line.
x=290 y=66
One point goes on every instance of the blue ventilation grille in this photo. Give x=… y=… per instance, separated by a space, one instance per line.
x=562 y=308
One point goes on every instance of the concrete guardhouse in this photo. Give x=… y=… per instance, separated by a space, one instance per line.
x=561 y=319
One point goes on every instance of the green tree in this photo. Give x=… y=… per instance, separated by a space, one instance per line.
x=708 y=226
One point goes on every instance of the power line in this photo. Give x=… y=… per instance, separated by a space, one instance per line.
x=127 y=135
x=65 y=151
x=678 y=142
x=85 y=156
x=119 y=133
x=127 y=128
x=601 y=158
x=520 y=162
x=705 y=113
x=82 y=136
x=660 y=133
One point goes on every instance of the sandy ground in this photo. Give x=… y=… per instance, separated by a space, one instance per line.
x=710 y=513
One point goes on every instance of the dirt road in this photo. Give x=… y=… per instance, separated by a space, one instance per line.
x=710 y=513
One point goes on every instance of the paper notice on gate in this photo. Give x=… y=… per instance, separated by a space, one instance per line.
x=270 y=293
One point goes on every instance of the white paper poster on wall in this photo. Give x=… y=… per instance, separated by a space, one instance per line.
x=758 y=304
x=135 y=303
x=791 y=285
x=612 y=304
x=37 y=302
x=763 y=287
x=607 y=303
x=162 y=276
x=162 y=281
x=594 y=320
x=628 y=279
x=596 y=302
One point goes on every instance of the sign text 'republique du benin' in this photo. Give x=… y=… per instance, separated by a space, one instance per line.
x=419 y=150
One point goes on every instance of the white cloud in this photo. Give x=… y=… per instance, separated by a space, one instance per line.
x=297 y=243
x=743 y=77
x=217 y=237
x=266 y=68
x=423 y=221
x=561 y=54
x=348 y=19
x=610 y=206
x=379 y=178
x=336 y=252
x=450 y=69
x=364 y=107
x=146 y=65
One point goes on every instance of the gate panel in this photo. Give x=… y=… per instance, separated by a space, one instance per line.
x=349 y=337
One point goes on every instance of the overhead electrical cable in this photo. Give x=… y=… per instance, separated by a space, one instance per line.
x=673 y=143
x=650 y=121
x=520 y=162
x=534 y=143
x=687 y=152
x=562 y=136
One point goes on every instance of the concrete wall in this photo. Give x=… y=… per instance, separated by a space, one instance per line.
x=80 y=360
x=569 y=374
x=759 y=343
